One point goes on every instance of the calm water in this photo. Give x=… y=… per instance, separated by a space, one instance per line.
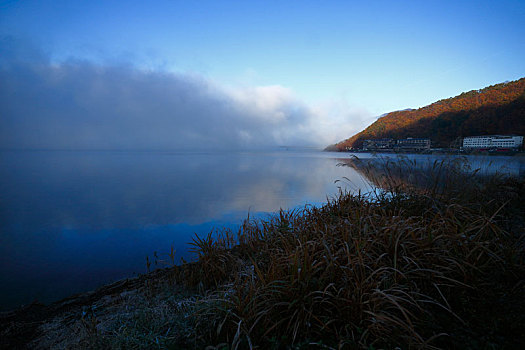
x=72 y=221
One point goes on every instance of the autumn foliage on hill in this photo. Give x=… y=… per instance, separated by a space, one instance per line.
x=497 y=109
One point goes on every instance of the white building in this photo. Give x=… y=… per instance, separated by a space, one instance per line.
x=493 y=141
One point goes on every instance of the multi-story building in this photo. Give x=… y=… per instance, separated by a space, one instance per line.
x=493 y=141
x=410 y=143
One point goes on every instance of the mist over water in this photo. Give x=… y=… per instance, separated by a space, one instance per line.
x=71 y=221
x=82 y=105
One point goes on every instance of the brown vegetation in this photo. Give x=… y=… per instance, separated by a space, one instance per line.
x=415 y=267
x=497 y=109
x=437 y=264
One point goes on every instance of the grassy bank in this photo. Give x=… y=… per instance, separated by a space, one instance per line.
x=419 y=264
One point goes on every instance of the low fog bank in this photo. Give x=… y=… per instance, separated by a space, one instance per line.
x=82 y=105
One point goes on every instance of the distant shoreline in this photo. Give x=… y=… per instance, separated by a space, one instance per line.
x=437 y=152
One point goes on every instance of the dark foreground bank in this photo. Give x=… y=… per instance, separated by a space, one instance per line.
x=415 y=266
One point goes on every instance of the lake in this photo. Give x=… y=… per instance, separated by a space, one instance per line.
x=73 y=221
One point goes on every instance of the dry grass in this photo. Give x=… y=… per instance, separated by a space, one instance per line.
x=410 y=268
x=435 y=259
x=156 y=315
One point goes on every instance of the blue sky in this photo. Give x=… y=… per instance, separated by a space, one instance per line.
x=350 y=61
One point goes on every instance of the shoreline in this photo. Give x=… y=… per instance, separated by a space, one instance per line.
x=436 y=152
x=22 y=326
x=399 y=270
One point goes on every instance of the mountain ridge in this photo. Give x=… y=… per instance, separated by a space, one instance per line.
x=495 y=109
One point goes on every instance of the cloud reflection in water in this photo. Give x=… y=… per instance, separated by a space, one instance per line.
x=74 y=220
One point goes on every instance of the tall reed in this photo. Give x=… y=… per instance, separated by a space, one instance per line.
x=412 y=267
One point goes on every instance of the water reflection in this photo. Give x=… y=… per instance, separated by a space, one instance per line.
x=71 y=221
x=406 y=172
x=485 y=165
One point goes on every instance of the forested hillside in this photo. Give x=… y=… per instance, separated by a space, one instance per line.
x=497 y=109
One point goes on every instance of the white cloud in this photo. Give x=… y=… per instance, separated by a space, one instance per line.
x=81 y=105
